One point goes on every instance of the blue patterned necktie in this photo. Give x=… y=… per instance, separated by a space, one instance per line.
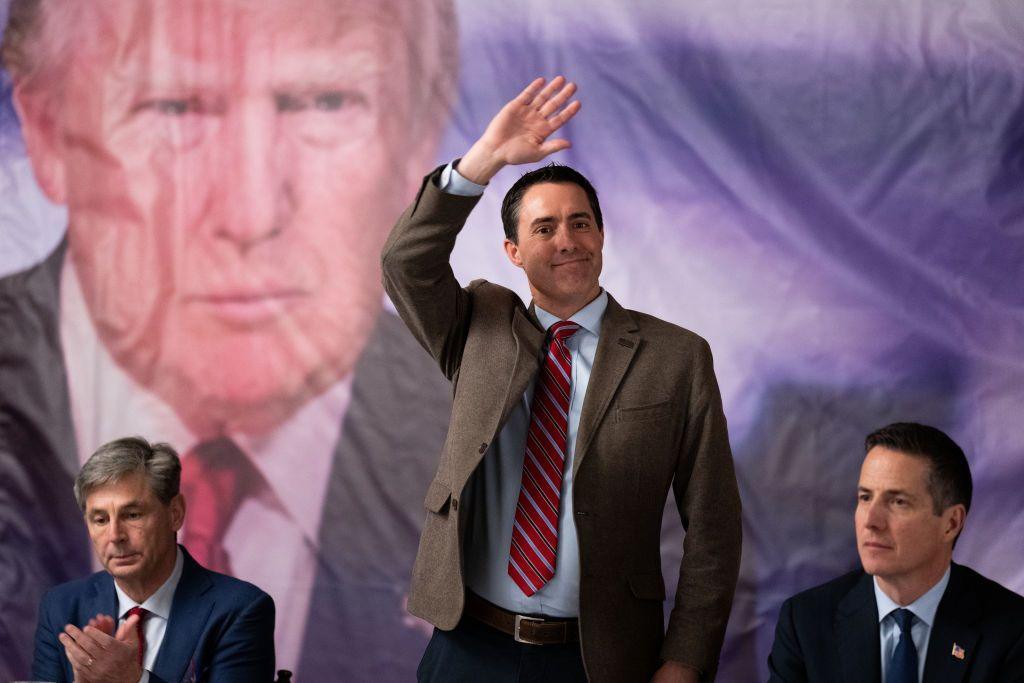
x=903 y=665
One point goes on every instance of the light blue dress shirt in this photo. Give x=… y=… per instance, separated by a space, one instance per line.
x=924 y=609
x=493 y=492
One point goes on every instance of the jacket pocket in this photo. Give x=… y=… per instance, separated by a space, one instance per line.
x=438 y=496
x=648 y=586
x=653 y=411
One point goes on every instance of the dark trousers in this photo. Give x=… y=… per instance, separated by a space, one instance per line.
x=474 y=652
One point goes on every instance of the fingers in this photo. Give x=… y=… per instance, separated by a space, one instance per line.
x=104 y=623
x=560 y=119
x=127 y=632
x=552 y=146
x=530 y=91
x=87 y=639
x=556 y=102
x=547 y=91
x=78 y=656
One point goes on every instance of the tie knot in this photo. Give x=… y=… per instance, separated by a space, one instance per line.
x=563 y=329
x=904 y=619
x=140 y=611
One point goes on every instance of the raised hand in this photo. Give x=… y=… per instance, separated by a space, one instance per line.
x=519 y=133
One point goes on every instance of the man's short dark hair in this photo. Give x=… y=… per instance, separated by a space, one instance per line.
x=552 y=173
x=949 y=474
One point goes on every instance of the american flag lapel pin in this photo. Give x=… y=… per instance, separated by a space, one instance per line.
x=958 y=651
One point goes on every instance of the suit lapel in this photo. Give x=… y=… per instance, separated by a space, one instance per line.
x=104 y=598
x=955 y=625
x=615 y=350
x=856 y=634
x=189 y=613
x=529 y=338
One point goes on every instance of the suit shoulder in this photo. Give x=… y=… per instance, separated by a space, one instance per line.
x=827 y=596
x=488 y=291
x=72 y=591
x=995 y=597
x=652 y=326
x=240 y=591
x=669 y=340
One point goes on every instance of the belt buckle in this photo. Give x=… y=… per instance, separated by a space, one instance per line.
x=520 y=618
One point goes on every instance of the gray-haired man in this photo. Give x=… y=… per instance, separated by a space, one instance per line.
x=154 y=614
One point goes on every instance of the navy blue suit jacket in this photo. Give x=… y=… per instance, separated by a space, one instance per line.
x=830 y=633
x=220 y=628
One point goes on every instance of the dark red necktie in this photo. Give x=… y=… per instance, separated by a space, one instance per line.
x=143 y=613
x=215 y=478
x=531 y=562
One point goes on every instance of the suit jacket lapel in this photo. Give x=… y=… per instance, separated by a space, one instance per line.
x=856 y=635
x=529 y=336
x=104 y=599
x=616 y=347
x=189 y=614
x=955 y=625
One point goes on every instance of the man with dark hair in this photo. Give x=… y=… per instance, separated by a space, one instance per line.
x=154 y=614
x=573 y=417
x=911 y=614
x=949 y=474
x=552 y=173
x=230 y=170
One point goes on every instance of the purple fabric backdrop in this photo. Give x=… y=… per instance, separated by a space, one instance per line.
x=831 y=193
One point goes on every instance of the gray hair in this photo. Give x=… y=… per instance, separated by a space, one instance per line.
x=117 y=459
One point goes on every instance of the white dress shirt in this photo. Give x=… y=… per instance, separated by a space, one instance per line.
x=159 y=607
x=493 y=492
x=924 y=609
x=107 y=404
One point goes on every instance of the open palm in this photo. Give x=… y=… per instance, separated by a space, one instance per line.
x=519 y=133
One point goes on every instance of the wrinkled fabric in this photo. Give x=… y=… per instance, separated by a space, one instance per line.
x=831 y=193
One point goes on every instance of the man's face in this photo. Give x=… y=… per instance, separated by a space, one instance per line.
x=132 y=532
x=231 y=169
x=899 y=536
x=559 y=246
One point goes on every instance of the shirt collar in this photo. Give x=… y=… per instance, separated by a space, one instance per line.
x=924 y=607
x=159 y=603
x=589 y=317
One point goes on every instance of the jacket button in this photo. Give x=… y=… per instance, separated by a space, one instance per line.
x=483 y=448
x=455 y=503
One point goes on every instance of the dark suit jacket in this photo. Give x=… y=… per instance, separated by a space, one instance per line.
x=220 y=628
x=652 y=418
x=830 y=633
x=382 y=463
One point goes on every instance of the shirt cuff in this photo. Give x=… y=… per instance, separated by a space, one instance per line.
x=452 y=182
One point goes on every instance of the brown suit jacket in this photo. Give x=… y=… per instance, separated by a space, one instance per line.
x=652 y=418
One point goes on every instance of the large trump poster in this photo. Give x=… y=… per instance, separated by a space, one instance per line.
x=194 y=195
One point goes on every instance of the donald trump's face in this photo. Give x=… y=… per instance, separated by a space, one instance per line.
x=230 y=169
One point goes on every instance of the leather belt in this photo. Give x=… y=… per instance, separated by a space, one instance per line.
x=522 y=627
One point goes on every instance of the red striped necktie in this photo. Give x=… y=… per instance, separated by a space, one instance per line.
x=531 y=562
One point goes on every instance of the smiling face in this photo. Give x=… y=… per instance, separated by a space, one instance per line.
x=559 y=247
x=900 y=538
x=231 y=169
x=133 y=533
